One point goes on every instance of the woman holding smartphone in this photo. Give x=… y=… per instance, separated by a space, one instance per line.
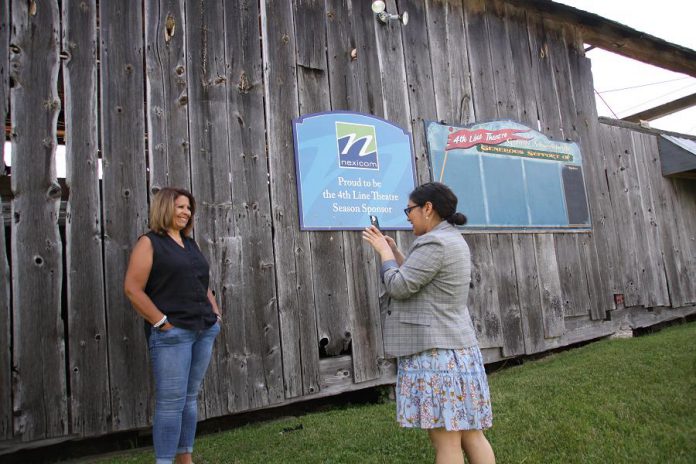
x=441 y=381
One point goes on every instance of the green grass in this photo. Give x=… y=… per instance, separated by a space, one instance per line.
x=614 y=401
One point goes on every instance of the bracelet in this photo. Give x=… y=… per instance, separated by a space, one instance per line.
x=160 y=323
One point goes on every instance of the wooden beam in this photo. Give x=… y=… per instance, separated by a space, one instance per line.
x=637 y=127
x=616 y=37
x=663 y=110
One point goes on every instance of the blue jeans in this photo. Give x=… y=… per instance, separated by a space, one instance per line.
x=179 y=359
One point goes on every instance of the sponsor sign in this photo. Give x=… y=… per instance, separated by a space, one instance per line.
x=507 y=175
x=351 y=166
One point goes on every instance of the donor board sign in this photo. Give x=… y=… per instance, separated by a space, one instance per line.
x=351 y=166
x=507 y=175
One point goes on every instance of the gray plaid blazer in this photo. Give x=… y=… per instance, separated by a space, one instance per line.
x=428 y=295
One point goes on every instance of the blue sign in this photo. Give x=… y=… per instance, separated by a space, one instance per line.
x=351 y=166
x=507 y=175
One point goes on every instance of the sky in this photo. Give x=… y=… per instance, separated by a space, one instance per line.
x=645 y=86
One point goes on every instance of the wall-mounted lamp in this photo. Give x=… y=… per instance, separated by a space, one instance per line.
x=379 y=8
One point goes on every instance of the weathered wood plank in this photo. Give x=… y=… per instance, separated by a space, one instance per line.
x=419 y=77
x=528 y=291
x=479 y=60
x=5 y=351
x=4 y=74
x=577 y=298
x=628 y=279
x=90 y=404
x=521 y=65
x=572 y=275
x=549 y=286
x=167 y=94
x=686 y=213
x=310 y=34
x=550 y=64
x=328 y=266
x=501 y=61
x=293 y=266
x=461 y=107
x=655 y=281
x=5 y=304
x=436 y=28
x=40 y=401
x=364 y=95
x=390 y=54
x=483 y=303
x=562 y=79
x=627 y=266
x=543 y=75
x=602 y=263
x=510 y=313
x=256 y=297
x=392 y=66
x=124 y=191
x=675 y=250
x=224 y=388
x=336 y=375
x=628 y=174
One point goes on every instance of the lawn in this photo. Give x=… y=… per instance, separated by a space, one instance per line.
x=614 y=401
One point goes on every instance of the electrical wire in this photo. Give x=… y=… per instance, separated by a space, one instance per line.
x=645 y=85
x=692 y=84
x=605 y=103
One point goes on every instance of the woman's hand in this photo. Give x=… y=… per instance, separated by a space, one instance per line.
x=379 y=242
x=392 y=244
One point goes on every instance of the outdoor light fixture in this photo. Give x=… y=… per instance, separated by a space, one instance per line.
x=379 y=8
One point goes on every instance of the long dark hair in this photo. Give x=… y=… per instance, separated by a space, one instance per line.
x=442 y=198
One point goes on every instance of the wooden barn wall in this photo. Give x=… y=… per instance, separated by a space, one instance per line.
x=200 y=94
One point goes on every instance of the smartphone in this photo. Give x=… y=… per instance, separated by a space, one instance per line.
x=374 y=221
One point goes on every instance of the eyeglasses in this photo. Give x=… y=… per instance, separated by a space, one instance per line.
x=408 y=210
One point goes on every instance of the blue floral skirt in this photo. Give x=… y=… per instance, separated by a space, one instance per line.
x=443 y=388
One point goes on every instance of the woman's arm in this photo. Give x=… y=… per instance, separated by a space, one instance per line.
x=423 y=263
x=138 y=271
x=395 y=249
x=216 y=310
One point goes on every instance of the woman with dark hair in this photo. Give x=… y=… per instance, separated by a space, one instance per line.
x=441 y=382
x=167 y=282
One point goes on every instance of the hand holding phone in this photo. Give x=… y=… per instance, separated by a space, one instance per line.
x=374 y=221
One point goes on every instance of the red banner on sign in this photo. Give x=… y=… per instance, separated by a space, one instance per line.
x=468 y=138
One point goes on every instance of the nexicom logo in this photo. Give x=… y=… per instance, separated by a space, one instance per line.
x=357 y=146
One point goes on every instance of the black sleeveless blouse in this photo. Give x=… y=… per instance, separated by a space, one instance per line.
x=178 y=282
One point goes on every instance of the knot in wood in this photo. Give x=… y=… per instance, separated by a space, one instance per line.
x=285 y=39
x=169 y=28
x=354 y=54
x=244 y=84
x=54 y=191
